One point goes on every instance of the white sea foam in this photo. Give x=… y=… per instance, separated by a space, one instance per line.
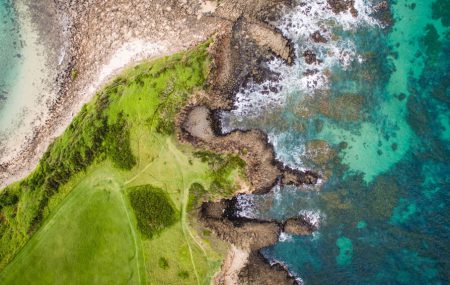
x=273 y=261
x=245 y=207
x=313 y=217
x=284 y=237
x=291 y=157
x=298 y=24
x=315 y=235
x=300 y=80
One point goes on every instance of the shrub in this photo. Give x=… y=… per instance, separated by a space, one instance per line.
x=196 y=193
x=165 y=127
x=163 y=263
x=222 y=167
x=183 y=274
x=153 y=209
x=7 y=198
x=92 y=137
x=118 y=145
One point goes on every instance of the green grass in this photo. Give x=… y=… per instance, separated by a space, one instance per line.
x=76 y=245
x=123 y=137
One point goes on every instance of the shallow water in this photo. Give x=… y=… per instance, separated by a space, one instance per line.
x=27 y=75
x=10 y=48
x=377 y=129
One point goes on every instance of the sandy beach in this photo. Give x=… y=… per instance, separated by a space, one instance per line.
x=26 y=107
x=96 y=51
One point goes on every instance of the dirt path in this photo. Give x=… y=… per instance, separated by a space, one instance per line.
x=136 y=239
x=183 y=207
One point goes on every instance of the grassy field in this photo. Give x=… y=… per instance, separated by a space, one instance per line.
x=72 y=220
x=78 y=242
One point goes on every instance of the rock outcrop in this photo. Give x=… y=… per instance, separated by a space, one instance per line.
x=244 y=264
x=297 y=226
x=267 y=37
x=338 y=6
x=258 y=271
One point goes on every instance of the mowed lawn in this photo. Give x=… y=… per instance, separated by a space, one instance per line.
x=90 y=239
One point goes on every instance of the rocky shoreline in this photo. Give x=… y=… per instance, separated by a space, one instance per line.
x=232 y=68
x=95 y=41
x=237 y=56
x=103 y=38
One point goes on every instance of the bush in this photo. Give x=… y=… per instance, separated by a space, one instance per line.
x=196 y=193
x=153 y=209
x=118 y=145
x=183 y=274
x=165 y=127
x=74 y=74
x=209 y=157
x=93 y=137
x=7 y=198
x=163 y=263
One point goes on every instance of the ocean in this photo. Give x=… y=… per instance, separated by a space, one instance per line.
x=366 y=105
x=370 y=112
x=10 y=50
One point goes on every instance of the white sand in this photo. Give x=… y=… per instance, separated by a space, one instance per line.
x=133 y=51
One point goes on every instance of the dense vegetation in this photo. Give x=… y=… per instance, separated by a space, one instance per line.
x=153 y=209
x=122 y=139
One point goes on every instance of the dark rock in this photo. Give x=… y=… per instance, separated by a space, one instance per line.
x=214 y=210
x=394 y=146
x=318 y=38
x=338 y=6
x=310 y=57
x=259 y=272
x=310 y=72
x=297 y=226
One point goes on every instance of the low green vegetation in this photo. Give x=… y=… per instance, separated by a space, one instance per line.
x=224 y=170
x=117 y=144
x=87 y=239
x=84 y=214
x=196 y=194
x=163 y=263
x=153 y=209
x=74 y=74
x=183 y=274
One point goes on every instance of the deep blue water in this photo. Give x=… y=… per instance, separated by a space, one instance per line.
x=383 y=127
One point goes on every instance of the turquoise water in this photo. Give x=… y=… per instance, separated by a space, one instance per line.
x=383 y=211
x=10 y=47
x=384 y=205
